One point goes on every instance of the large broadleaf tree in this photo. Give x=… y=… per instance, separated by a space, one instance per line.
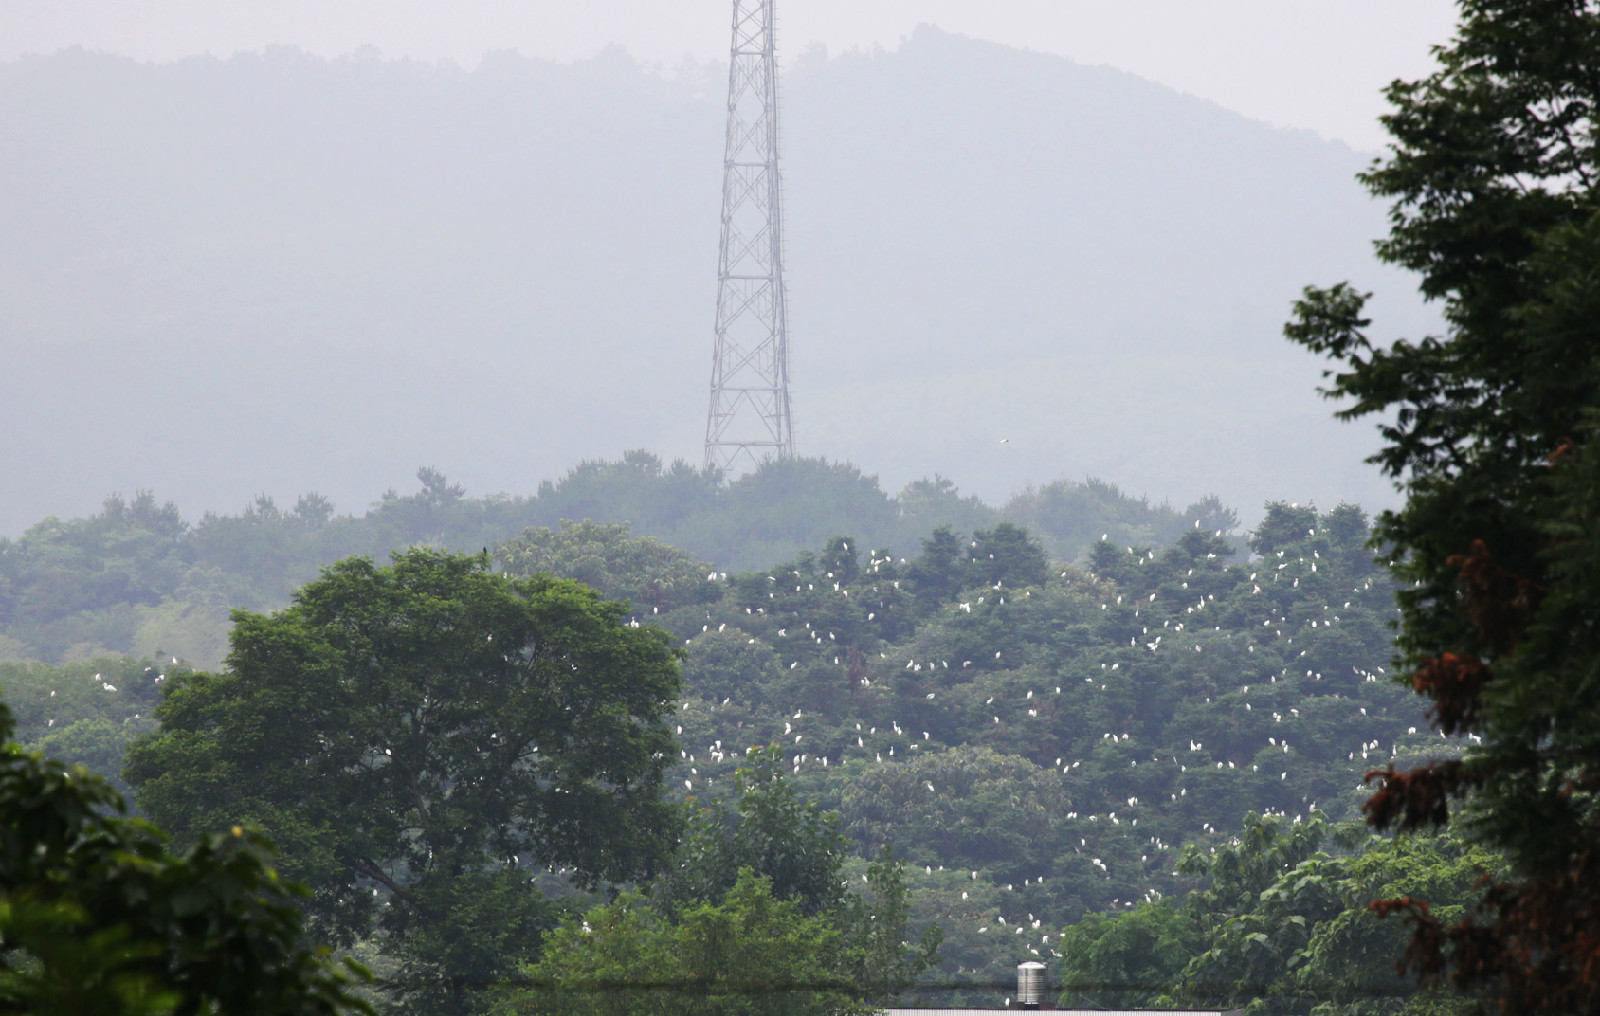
x=418 y=736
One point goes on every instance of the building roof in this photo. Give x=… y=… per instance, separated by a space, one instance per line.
x=1014 y=1010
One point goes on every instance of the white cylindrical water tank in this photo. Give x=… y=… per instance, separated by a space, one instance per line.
x=1030 y=984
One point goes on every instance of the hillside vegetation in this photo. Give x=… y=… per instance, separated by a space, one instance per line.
x=1040 y=740
x=137 y=577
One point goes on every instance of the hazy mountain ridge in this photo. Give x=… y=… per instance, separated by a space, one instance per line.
x=275 y=272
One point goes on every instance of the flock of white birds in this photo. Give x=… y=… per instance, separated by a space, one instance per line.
x=819 y=745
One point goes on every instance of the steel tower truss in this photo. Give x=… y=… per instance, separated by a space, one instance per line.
x=749 y=417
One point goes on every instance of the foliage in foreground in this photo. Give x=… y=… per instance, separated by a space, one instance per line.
x=1281 y=927
x=420 y=737
x=1495 y=181
x=752 y=917
x=96 y=916
x=747 y=953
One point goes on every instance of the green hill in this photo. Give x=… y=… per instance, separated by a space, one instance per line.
x=1038 y=738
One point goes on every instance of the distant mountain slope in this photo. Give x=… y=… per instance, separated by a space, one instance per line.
x=274 y=272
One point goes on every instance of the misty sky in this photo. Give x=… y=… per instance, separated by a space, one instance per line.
x=1316 y=64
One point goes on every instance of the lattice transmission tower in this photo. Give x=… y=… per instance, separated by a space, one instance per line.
x=749 y=418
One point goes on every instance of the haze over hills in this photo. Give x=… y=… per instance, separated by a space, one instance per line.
x=275 y=273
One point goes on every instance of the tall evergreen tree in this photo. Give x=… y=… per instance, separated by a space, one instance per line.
x=1490 y=433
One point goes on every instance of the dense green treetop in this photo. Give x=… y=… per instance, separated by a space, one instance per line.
x=643 y=571
x=416 y=734
x=97 y=916
x=986 y=809
x=747 y=953
x=793 y=844
x=136 y=578
x=752 y=917
x=1281 y=924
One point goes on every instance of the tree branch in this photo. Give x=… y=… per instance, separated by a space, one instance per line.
x=368 y=867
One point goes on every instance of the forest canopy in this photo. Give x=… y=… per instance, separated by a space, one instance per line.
x=1033 y=741
x=137 y=577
